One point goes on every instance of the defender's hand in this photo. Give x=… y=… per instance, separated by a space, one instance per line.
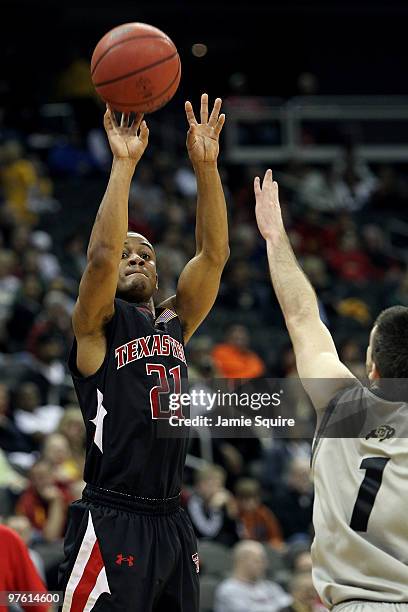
x=267 y=210
x=202 y=138
x=126 y=141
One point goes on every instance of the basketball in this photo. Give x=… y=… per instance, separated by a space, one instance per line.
x=136 y=68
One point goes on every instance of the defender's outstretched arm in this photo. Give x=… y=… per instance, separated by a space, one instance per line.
x=316 y=354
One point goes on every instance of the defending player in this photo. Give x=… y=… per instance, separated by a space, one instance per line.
x=360 y=453
x=129 y=546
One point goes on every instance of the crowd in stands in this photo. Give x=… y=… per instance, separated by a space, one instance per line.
x=250 y=501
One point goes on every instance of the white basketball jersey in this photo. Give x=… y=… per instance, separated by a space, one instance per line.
x=360 y=515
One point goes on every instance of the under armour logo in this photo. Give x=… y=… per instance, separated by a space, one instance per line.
x=384 y=432
x=196 y=562
x=120 y=558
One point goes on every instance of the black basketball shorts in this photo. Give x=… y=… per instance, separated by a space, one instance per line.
x=129 y=554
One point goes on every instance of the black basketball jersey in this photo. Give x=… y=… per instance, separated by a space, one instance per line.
x=125 y=404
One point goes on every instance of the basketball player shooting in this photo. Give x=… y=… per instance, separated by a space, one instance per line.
x=360 y=452
x=129 y=545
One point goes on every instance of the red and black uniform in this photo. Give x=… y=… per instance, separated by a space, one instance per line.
x=129 y=545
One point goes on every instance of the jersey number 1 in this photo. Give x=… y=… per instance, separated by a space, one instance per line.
x=158 y=412
x=369 y=488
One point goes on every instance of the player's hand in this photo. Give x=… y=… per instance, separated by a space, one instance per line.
x=203 y=137
x=127 y=141
x=267 y=210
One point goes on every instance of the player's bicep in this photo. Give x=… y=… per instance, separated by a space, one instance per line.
x=197 y=290
x=95 y=304
x=318 y=365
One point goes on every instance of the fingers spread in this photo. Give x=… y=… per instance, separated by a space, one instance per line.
x=204 y=108
x=144 y=133
x=190 y=113
x=215 y=112
x=137 y=122
x=257 y=186
x=219 y=125
x=267 y=181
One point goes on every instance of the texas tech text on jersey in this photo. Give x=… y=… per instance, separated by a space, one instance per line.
x=148 y=346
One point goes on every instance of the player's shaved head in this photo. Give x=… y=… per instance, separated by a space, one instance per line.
x=143 y=239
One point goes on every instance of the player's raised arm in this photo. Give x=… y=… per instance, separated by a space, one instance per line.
x=95 y=304
x=316 y=355
x=199 y=281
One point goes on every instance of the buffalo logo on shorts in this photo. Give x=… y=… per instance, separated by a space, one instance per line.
x=196 y=562
x=383 y=432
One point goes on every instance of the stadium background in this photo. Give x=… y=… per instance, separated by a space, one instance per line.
x=345 y=208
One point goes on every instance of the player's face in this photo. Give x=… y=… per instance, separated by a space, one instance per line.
x=137 y=270
x=370 y=365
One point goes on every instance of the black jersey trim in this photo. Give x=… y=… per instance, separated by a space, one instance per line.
x=327 y=413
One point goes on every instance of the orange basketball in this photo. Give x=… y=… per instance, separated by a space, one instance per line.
x=136 y=68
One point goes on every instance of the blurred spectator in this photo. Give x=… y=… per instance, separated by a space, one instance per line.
x=354 y=183
x=27 y=189
x=45 y=368
x=400 y=293
x=25 y=309
x=9 y=283
x=298 y=557
x=47 y=261
x=57 y=452
x=73 y=260
x=12 y=439
x=240 y=289
x=278 y=456
x=32 y=418
x=171 y=249
x=256 y=521
x=212 y=509
x=11 y=485
x=351 y=354
x=73 y=428
x=17 y=572
x=305 y=597
x=44 y=503
x=247 y=590
x=21 y=525
x=234 y=359
x=292 y=502
x=349 y=261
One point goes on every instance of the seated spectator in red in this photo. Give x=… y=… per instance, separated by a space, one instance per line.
x=234 y=359
x=44 y=503
x=17 y=572
x=349 y=261
x=212 y=508
x=21 y=526
x=247 y=590
x=257 y=522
